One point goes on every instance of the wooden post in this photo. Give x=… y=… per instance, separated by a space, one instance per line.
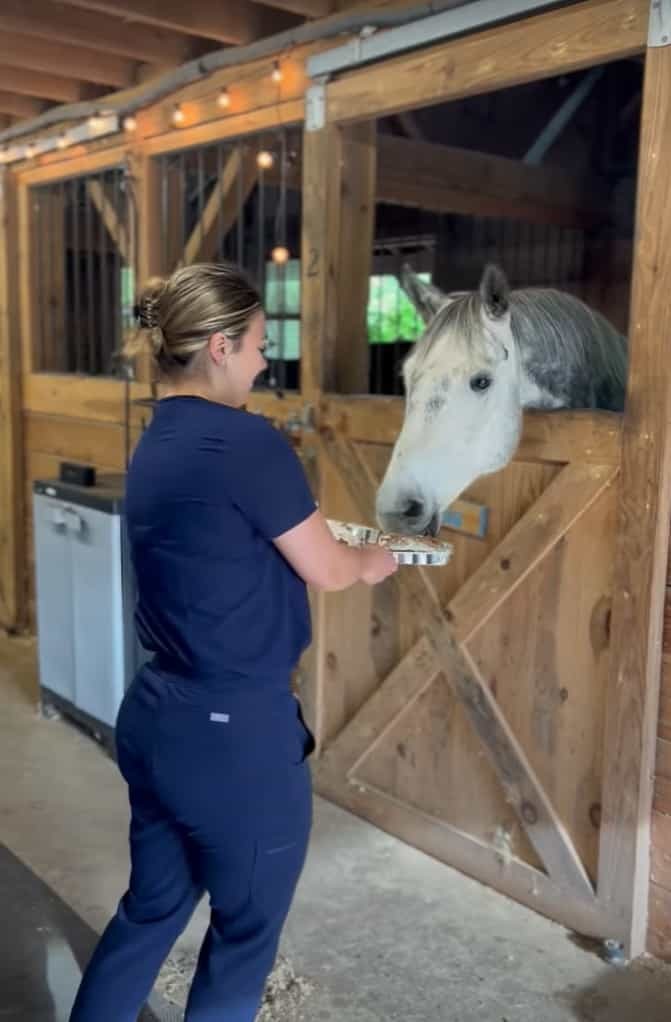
x=12 y=546
x=339 y=187
x=319 y=260
x=358 y=169
x=643 y=534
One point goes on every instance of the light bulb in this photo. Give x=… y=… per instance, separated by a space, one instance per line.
x=223 y=99
x=280 y=254
x=62 y=141
x=30 y=151
x=178 y=115
x=277 y=75
x=129 y=123
x=265 y=159
x=95 y=122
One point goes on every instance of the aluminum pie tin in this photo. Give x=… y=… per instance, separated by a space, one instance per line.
x=406 y=550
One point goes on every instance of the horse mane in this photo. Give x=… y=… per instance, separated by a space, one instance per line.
x=567 y=348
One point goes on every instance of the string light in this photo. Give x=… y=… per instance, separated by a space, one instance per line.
x=280 y=255
x=178 y=115
x=224 y=99
x=277 y=75
x=30 y=150
x=62 y=141
x=264 y=159
x=129 y=123
x=96 y=121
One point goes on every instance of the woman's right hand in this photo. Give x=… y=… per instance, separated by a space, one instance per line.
x=377 y=564
x=324 y=563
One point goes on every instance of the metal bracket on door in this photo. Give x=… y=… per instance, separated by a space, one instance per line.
x=315 y=106
x=659 y=33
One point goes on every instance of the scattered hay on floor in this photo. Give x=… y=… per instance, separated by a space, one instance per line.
x=283 y=1000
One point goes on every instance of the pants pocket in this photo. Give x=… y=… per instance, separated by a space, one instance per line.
x=306 y=741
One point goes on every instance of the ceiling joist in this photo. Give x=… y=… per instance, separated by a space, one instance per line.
x=55 y=88
x=62 y=23
x=19 y=106
x=236 y=23
x=62 y=59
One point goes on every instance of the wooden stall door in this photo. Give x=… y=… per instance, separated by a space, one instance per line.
x=462 y=708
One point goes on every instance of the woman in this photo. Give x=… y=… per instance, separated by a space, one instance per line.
x=224 y=536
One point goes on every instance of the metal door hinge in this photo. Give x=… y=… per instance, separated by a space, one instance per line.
x=659 y=33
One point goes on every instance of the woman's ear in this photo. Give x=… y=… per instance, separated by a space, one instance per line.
x=219 y=347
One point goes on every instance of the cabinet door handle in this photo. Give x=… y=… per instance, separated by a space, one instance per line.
x=58 y=518
x=75 y=521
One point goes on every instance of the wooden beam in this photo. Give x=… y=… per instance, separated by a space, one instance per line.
x=447 y=179
x=238 y=23
x=643 y=532
x=41 y=85
x=79 y=62
x=357 y=172
x=19 y=106
x=97 y=31
x=221 y=209
x=257 y=119
x=558 y=437
x=554 y=42
x=12 y=544
x=306 y=8
x=107 y=211
x=320 y=247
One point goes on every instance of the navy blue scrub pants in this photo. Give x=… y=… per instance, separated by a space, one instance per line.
x=221 y=802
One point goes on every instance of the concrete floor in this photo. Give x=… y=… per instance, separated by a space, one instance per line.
x=378 y=932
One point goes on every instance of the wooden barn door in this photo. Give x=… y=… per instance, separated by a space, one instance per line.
x=498 y=713
x=462 y=708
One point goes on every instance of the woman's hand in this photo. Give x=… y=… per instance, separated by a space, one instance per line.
x=324 y=563
x=378 y=564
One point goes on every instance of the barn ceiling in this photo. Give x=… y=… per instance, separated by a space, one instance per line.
x=64 y=51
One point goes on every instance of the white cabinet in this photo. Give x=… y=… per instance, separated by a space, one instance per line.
x=87 y=648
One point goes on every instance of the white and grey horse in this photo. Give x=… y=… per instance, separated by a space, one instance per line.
x=484 y=357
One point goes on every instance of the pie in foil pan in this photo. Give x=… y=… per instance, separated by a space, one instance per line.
x=419 y=550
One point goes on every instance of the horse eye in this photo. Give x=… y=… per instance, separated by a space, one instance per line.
x=481 y=382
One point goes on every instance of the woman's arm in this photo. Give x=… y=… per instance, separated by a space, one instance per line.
x=324 y=563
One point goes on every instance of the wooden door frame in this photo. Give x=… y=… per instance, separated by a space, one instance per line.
x=12 y=514
x=566 y=39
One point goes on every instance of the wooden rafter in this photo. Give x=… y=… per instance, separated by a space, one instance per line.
x=446 y=179
x=306 y=8
x=57 y=88
x=95 y=30
x=222 y=207
x=19 y=106
x=58 y=58
x=238 y=23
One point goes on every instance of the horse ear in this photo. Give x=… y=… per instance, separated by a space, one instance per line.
x=495 y=292
x=427 y=298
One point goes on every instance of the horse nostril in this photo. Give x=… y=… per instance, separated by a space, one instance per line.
x=414 y=509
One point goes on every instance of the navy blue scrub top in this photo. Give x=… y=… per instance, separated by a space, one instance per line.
x=209 y=487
